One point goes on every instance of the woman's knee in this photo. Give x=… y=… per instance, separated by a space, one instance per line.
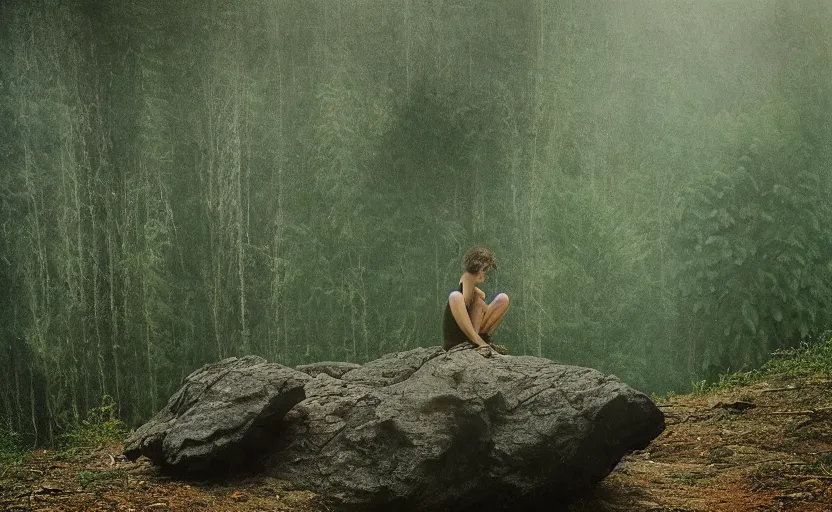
x=503 y=298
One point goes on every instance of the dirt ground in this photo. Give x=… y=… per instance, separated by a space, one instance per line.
x=767 y=446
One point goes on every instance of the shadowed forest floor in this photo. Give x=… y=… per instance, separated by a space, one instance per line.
x=765 y=446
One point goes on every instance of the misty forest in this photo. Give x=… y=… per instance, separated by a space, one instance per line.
x=182 y=182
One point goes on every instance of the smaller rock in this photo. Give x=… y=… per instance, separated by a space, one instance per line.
x=221 y=414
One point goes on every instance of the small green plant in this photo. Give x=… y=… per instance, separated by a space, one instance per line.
x=12 y=447
x=664 y=397
x=99 y=428
x=701 y=387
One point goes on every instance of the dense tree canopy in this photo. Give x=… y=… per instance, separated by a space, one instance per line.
x=187 y=181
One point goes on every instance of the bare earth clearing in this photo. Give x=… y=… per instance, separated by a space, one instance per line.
x=767 y=446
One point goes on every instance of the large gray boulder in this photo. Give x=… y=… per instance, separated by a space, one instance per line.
x=222 y=413
x=418 y=430
x=433 y=430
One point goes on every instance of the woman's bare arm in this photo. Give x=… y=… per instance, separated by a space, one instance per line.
x=468 y=293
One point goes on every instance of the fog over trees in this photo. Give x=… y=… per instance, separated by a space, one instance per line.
x=182 y=182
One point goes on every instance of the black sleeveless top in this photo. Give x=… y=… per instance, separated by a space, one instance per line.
x=451 y=332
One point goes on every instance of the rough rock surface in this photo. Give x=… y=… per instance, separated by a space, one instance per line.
x=418 y=430
x=331 y=368
x=433 y=430
x=219 y=415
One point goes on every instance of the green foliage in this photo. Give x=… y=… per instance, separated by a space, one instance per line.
x=700 y=387
x=752 y=243
x=731 y=380
x=99 y=428
x=589 y=264
x=13 y=449
x=663 y=397
x=300 y=179
x=811 y=358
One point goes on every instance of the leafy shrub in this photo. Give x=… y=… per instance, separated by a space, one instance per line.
x=99 y=428
x=12 y=447
x=753 y=243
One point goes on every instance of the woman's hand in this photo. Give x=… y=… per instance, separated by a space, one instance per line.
x=484 y=351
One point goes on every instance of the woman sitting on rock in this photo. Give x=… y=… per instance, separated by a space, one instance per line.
x=468 y=318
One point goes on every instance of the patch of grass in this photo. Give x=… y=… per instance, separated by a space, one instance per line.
x=664 y=397
x=811 y=357
x=688 y=478
x=726 y=381
x=13 y=449
x=98 y=429
x=700 y=387
x=808 y=359
x=737 y=379
x=85 y=478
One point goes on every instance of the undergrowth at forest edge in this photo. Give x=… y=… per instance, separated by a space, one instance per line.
x=811 y=357
x=13 y=447
x=99 y=428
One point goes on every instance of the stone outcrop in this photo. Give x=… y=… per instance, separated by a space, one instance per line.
x=433 y=430
x=219 y=416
